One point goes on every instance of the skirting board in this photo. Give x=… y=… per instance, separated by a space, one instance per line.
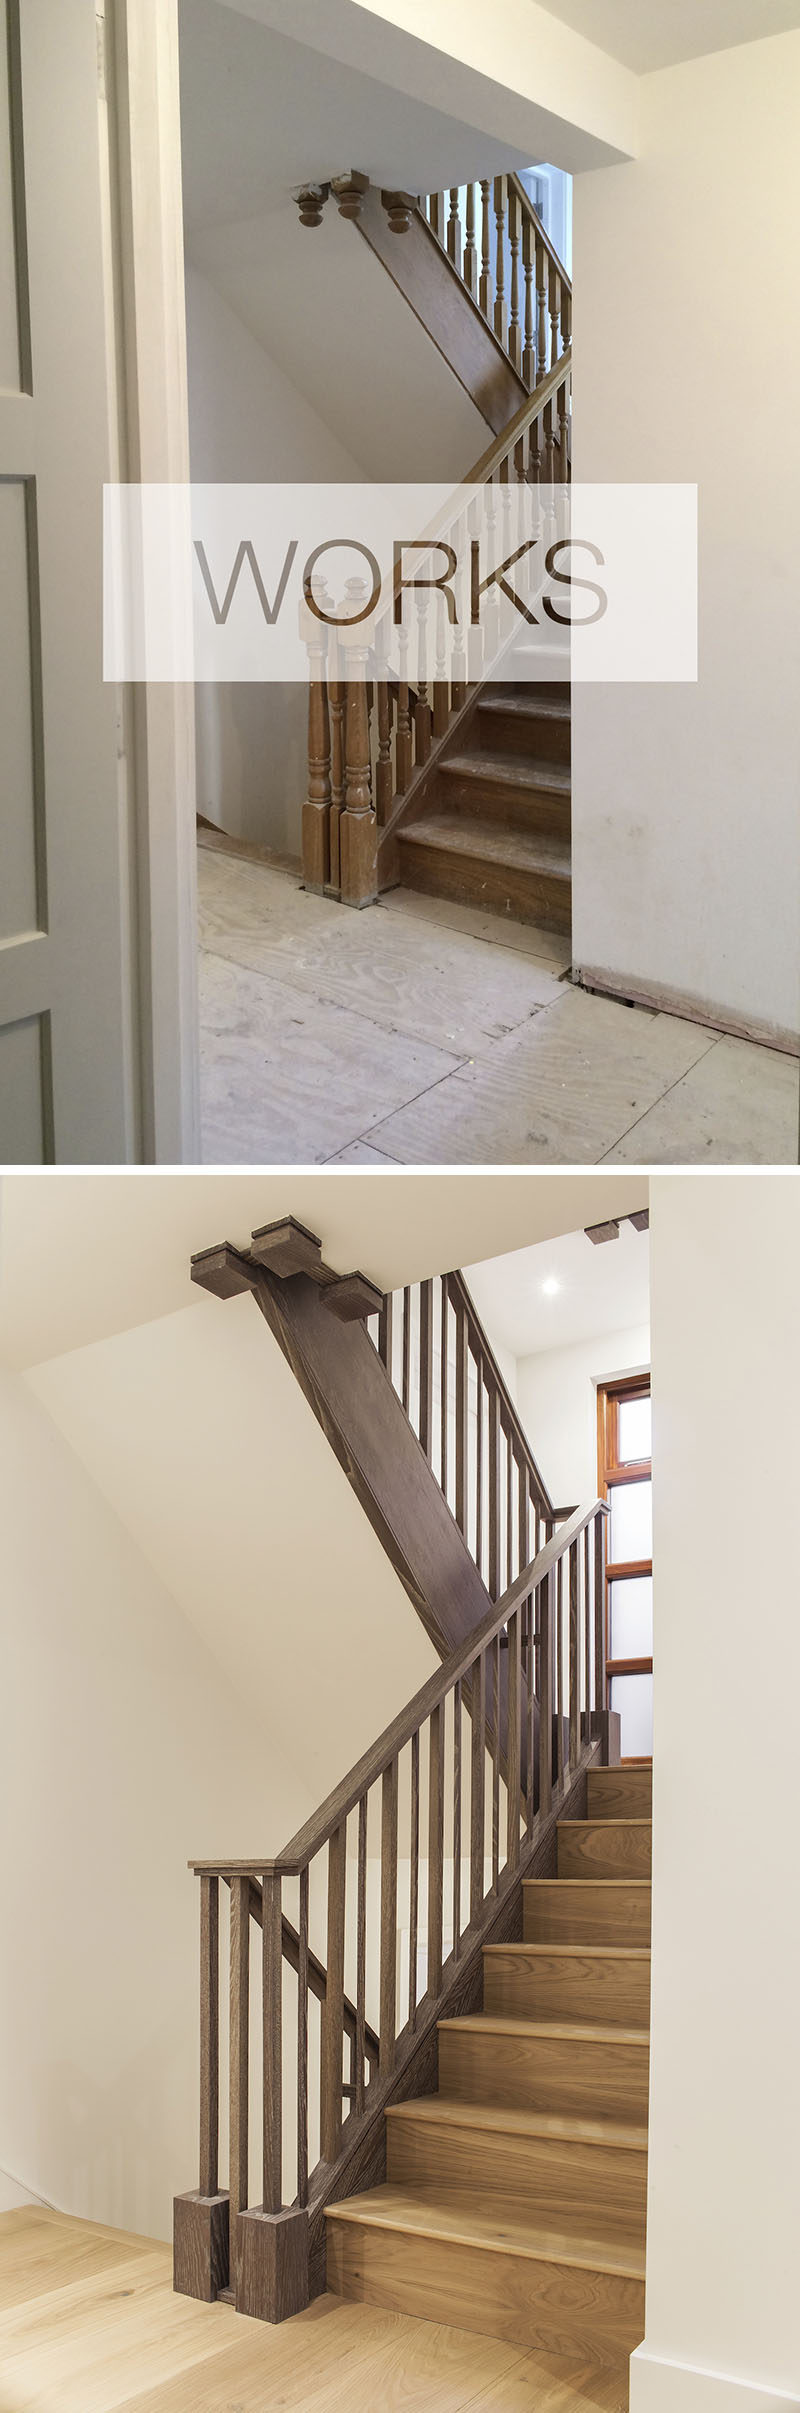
x=688 y=1009
x=661 y=2387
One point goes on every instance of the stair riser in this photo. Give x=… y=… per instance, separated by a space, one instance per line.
x=593 y=1914
x=620 y=1793
x=524 y=897
x=603 y=1850
x=524 y=733
x=592 y=2081
x=580 y=2190
x=530 y=809
x=603 y=1993
x=586 y=2314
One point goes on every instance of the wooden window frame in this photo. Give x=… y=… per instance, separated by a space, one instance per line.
x=611 y=1472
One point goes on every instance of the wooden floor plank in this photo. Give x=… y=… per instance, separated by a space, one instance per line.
x=91 y=2325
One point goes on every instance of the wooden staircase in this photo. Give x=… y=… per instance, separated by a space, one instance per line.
x=445 y=777
x=493 y=825
x=515 y=2198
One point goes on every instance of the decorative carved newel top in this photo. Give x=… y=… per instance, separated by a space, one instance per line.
x=349 y=192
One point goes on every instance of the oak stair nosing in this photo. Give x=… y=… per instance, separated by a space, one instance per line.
x=568 y=2031
x=578 y=1952
x=407 y=2214
x=547 y=2128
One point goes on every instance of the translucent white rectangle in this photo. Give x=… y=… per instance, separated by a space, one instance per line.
x=408 y=584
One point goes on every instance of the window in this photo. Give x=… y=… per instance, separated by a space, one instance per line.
x=625 y=1480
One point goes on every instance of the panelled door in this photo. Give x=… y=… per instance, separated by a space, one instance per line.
x=625 y=1480
x=68 y=1086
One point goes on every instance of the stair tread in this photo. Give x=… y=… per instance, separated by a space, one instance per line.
x=514 y=770
x=528 y=705
x=531 y=1884
x=578 y=1952
x=452 y=2112
x=459 y=2222
x=502 y=2023
x=517 y=849
x=566 y=1824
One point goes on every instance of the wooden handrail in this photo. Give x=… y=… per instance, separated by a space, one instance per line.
x=326 y=1821
x=497 y=452
x=536 y=1712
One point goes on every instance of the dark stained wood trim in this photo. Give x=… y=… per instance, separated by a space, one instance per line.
x=430 y=283
x=341 y=1375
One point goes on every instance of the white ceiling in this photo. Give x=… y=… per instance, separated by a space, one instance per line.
x=85 y=1255
x=262 y=113
x=602 y=1288
x=646 y=34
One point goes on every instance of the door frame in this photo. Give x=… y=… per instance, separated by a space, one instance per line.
x=140 y=105
x=610 y=1472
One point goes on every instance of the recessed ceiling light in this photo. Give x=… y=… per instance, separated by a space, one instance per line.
x=550 y=1286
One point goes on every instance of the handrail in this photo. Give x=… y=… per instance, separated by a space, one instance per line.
x=496 y=452
x=326 y=1821
x=530 y=1685
x=457 y=1283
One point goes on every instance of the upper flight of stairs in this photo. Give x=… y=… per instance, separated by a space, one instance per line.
x=494 y=827
x=515 y=2198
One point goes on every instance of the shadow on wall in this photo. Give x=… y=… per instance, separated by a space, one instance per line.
x=252 y=762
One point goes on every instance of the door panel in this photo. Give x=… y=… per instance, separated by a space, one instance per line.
x=67 y=1085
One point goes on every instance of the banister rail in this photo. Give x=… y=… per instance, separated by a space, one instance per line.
x=345 y=1797
x=389 y=1888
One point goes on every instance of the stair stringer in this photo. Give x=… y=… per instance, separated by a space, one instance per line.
x=346 y=1385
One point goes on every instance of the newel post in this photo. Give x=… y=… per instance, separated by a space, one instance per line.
x=316 y=831
x=272 y=2256
x=201 y=2219
x=358 y=829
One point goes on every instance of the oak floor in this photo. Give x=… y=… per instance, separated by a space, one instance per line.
x=89 y=2323
x=426 y=1033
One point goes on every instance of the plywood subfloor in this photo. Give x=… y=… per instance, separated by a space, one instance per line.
x=89 y=2323
x=422 y=1032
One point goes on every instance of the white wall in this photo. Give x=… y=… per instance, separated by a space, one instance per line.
x=198 y=1435
x=248 y=422
x=557 y=1400
x=125 y=1751
x=686 y=800
x=725 y=2086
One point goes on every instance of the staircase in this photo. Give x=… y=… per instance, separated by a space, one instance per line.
x=456 y=2131
x=455 y=780
x=492 y=827
x=515 y=2197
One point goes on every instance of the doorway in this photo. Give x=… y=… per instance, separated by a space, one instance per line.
x=625 y=1481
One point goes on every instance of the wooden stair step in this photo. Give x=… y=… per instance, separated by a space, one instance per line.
x=515 y=790
x=477 y=2266
x=605 y=1847
x=579 y=1981
x=620 y=1792
x=513 y=771
x=530 y=703
x=586 y=1910
x=474 y=861
x=520 y=721
x=578 y=2175
x=574 y=2068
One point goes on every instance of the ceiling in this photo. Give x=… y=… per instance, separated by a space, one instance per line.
x=646 y=34
x=85 y=1255
x=603 y=1288
x=262 y=114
